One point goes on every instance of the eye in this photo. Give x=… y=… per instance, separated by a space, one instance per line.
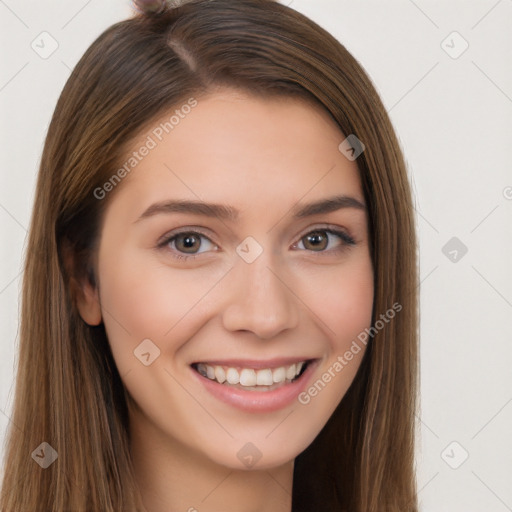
x=319 y=240
x=186 y=243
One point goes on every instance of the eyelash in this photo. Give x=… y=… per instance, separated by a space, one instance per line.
x=346 y=239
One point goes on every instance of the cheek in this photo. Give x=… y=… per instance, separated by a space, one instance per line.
x=144 y=299
x=344 y=302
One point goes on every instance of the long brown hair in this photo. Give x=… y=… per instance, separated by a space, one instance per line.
x=68 y=391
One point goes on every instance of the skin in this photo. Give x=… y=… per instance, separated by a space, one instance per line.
x=263 y=157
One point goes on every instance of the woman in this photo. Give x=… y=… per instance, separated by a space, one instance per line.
x=219 y=305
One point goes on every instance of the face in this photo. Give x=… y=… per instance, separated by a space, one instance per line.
x=233 y=325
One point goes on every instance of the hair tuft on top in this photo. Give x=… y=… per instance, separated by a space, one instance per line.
x=156 y=7
x=150 y=7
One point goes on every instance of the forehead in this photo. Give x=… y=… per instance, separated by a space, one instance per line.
x=239 y=149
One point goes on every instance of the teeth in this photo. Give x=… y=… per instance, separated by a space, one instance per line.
x=210 y=372
x=220 y=374
x=249 y=377
x=279 y=374
x=291 y=372
x=264 y=378
x=232 y=376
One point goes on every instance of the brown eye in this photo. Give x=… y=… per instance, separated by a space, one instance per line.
x=187 y=242
x=319 y=240
x=316 y=240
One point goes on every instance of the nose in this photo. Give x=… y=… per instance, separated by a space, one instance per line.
x=260 y=300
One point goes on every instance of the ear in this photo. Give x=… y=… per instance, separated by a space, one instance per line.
x=88 y=302
x=83 y=287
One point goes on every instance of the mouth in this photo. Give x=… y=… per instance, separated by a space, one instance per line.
x=256 y=386
x=251 y=378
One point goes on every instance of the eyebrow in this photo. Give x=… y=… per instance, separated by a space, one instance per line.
x=229 y=213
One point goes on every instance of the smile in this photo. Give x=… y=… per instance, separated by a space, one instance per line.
x=251 y=378
x=255 y=386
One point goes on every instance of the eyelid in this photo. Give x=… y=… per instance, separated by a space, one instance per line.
x=339 y=231
x=163 y=240
x=167 y=238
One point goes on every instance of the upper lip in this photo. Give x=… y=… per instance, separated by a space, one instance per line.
x=255 y=363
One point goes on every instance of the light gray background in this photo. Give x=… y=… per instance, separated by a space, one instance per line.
x=453 y=117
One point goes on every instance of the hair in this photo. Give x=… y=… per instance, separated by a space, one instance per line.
x=68 y=390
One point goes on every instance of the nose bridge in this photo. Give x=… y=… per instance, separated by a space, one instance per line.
x=258 y=300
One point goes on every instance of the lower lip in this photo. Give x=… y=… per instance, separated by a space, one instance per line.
x=258 y=401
